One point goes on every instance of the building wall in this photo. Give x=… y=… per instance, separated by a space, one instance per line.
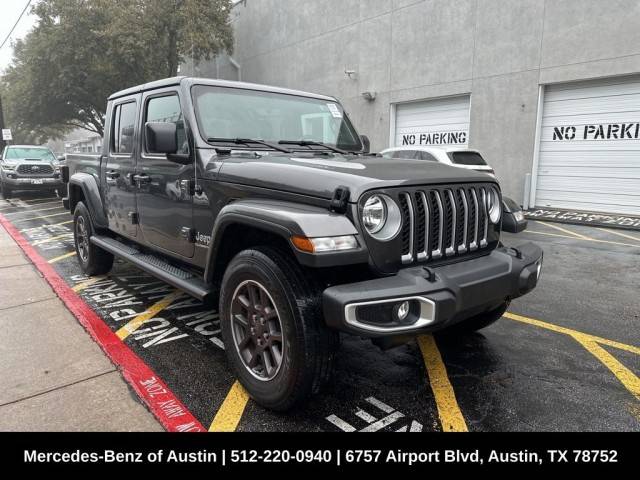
x=499 y=51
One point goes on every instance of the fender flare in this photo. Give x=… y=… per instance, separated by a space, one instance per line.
x=89 y=186
x=286 y=219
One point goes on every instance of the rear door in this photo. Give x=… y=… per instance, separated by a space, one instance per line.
x=165 y=203
x=119 y=192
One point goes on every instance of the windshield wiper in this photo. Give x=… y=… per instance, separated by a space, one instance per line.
x=247 y=141
x=305 y=143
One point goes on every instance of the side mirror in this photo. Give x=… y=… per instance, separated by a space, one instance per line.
x=61 y=159
x=513 y=220
x=162 y=137
x=366 y=144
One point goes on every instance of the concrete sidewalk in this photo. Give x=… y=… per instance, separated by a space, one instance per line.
x=53 y=375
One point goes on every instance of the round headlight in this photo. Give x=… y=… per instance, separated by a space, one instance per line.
x=374 y=214
x=494 y=206
x=381 y=217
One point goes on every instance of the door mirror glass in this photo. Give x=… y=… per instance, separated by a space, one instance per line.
x=161 y=137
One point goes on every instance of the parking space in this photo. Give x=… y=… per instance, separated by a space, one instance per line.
x=565 y=357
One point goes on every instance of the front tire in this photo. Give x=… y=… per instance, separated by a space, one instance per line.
x=6 y=191
x=272 y=327
x=93 y=260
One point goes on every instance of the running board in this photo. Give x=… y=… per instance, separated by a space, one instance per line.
x=156 y=266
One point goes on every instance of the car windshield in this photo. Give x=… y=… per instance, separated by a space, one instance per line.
x=19 y=153
x=233 y=113
x=467 y=158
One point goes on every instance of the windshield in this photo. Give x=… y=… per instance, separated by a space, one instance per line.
x=233 y=113
x=19 y=153
x=467 y=158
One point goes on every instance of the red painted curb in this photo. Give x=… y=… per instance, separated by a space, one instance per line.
x=162 y=402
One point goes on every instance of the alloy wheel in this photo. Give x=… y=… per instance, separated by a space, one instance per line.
x=82 y=239
x=257 y=330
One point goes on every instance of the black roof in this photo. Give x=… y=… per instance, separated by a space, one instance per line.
x=168 y=82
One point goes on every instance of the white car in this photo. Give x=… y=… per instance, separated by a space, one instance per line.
x=455 y=156
x=462 y=158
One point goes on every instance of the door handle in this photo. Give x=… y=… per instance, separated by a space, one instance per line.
x=112 y=174
x=141 y=178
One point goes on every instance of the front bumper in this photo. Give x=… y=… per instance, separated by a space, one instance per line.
x=443 y=295
x=32 y=183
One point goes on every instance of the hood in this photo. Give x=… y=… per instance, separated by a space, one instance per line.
x=38 y=161
x=319 y=176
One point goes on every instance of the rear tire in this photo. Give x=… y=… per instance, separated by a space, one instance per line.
x=277 y=343
x=479 y=321
x=93 y=260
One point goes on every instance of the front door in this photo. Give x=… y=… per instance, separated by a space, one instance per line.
x=119 y=193
x=165 y=206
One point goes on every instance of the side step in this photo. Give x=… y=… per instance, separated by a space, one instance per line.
x=177 y=277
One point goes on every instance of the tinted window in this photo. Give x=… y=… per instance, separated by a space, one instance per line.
x=425 y=156
x=124 y=121
x=467 y=158
x=30 y=153
x=404 y=154
x=167 y=109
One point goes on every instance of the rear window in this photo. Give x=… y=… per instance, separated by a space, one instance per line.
x=467 y=158
x=18 y=153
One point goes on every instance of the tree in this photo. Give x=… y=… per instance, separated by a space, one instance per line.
x=81 y=51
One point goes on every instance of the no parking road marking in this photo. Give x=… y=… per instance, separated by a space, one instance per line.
x=137 y=322
x=372 y=423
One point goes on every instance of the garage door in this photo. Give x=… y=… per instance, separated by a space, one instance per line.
x=444 y=121
x=589 y=155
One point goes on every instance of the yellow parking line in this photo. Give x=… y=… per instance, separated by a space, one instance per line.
x=87 y=283
x=62 y=257
x=51 y=239
x=625 y=235
x=33 y=211
x=574 y=234
x=570 y=332
x=228 y=416
x=626 y=376
x=38 y=218
x=585 y=239
x=46 y=225
x=137 y=322
x=449 y=412
x=593 y=345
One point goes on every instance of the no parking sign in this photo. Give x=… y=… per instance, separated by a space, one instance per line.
x=6 y=134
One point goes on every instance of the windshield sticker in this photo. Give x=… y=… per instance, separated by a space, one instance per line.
x=335 y=111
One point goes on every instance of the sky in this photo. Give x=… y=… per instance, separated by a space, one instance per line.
x=11 y=10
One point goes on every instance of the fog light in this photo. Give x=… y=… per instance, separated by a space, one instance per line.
x=402 y=310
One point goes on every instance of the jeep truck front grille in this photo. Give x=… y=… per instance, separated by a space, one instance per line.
x=443 y=222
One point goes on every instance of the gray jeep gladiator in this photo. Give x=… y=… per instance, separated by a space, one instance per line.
x=267 y=200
